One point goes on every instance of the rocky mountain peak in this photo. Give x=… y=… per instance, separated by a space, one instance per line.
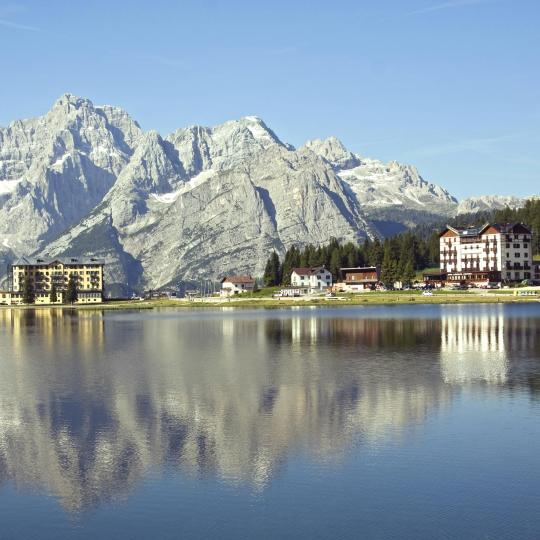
x=334 y=151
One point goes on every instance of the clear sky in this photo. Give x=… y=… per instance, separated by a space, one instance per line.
x=451 y=86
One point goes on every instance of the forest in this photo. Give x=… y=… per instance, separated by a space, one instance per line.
x=399 y=257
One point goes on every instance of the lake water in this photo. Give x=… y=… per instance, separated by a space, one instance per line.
x=413 y=422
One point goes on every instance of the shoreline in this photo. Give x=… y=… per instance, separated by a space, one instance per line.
x=386 y=298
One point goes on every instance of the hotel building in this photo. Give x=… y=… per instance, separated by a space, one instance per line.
x=42 y=274
x=490 y=253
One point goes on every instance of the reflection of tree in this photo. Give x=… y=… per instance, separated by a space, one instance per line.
x=85 y=412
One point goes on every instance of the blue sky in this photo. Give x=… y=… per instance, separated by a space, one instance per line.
x=451 y=86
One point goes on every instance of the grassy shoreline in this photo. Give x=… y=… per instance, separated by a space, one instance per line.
x=383 y=298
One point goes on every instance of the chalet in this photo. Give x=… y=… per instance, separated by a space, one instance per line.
x=314 y=279
x=490 y=253
x=358 y=279
x=233 y=285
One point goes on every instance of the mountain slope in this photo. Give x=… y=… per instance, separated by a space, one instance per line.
x=225 y=218
x=57 y=168
x=199 y=203
x=392 y=195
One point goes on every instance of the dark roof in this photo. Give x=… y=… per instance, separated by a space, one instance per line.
x=42 y=261
x=359 y=269
x=503 y=228
x=306 y=271
x=238 y=279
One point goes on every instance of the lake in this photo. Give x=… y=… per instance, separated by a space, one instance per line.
x=409 y=422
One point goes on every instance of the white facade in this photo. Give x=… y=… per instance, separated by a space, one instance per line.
x=233 y=285
x=315 y=279
x=491 y=249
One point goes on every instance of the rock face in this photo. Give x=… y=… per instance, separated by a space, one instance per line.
x=392 y=195
x=57 y=168
x=489 y=202
x=202 y=202
x=206 y=201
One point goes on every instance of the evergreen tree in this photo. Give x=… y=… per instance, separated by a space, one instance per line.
x=53 y=296
x=335 y=263
x=408 y=273
x=388 y=267
x=291 y=260
x=29 y=296
x=71 y=292
x=376 y=253
x=272 y=274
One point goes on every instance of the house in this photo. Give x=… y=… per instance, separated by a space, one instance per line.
x=314 y=279
x=434 y=279
x=45 y=275
x=358 y=279
x=233 y=285
x=490 y=253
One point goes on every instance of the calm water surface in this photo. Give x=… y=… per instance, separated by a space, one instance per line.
x=414 y=422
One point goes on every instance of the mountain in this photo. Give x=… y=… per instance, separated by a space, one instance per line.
x=199 y=203
x=57 y=168
x=207 y=201
x=472 y=205
x=392 y=195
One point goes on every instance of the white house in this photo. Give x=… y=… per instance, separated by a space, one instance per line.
x=315 y=279
x=232 y=285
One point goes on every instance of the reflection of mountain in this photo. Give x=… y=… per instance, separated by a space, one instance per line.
x=89 y=404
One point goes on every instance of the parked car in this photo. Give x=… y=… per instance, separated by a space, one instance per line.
x=493 y=286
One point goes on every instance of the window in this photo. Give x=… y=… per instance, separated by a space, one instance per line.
x=517 y=255
x=526 y=255
x=517 y=246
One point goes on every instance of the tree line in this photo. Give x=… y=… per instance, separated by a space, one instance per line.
x=398 y=257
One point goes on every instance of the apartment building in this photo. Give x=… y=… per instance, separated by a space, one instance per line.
x=43 y=274
x=490 y=253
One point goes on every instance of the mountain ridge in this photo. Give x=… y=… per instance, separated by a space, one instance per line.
x=202 y=201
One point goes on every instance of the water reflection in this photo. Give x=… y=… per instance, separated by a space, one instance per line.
x=89 y=403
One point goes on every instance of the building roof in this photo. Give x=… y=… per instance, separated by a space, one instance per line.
x=308 y=271
x=503 y=228
x=42 y=261
x=359 y=269
x=238 y=279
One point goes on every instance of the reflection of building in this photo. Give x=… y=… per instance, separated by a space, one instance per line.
x=43 y=277
x=473 y=346
x=87 y=424
x=489 y=253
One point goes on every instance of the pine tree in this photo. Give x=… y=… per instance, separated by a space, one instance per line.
x=335 y=263
x=388 y=267
x=53 y=296
x=408 y=273
x=29 y=296
x=291 y=261
x=272 y=271
x=71 y=292
x=376 y=253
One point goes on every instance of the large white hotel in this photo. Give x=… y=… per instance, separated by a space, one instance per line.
x=493 y=252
